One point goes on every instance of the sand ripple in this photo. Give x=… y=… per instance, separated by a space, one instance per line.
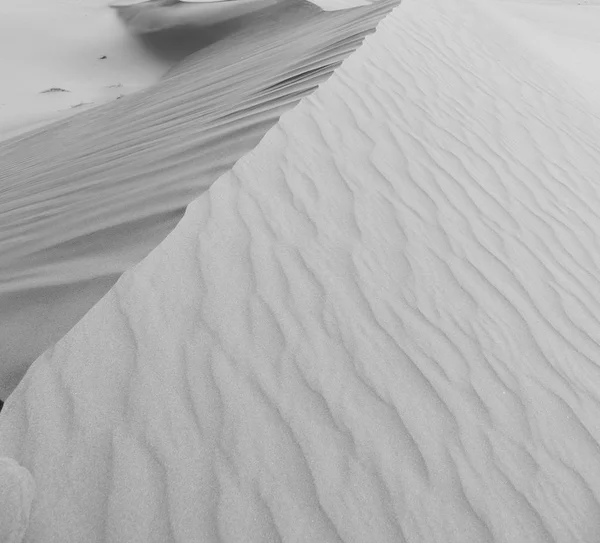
x=381 y=325
x=84 y=199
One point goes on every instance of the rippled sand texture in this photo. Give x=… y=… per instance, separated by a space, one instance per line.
x=84 y=199
x=381 y=325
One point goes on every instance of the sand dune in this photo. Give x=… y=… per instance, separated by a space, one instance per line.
x=380 y=325
x=79 y=49
x=84 y=199
x=154 y=14
x=157 y=15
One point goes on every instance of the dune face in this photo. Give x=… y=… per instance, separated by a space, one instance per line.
x=153 y=15
x=83 y=200
x=157 y=15
x=380 y=325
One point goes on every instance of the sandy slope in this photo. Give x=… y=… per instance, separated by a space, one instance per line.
x=84 y=199
x=62 y=57
x=46 y=45
x=565 y=34
x=381 y=325
x=169 y=12
x=159 y=15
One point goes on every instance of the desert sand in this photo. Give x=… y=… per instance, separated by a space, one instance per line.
x=61 y=57
x=88 y=197
x=381 y=324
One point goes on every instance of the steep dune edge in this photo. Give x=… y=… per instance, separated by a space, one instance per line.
x=381 y=325
x=84 y=199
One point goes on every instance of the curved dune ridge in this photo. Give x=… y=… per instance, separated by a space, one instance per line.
x=151 y=15
x=84 y=199
x=380 y=325
x=157 y=15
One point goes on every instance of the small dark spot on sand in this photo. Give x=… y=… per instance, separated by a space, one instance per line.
x=81 y=104
x=103 y=57
x=54 y=89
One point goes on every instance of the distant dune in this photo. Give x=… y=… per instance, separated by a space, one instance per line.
x=156 y=15
x=59 y=58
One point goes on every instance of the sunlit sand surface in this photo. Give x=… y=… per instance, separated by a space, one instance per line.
x=378 y=319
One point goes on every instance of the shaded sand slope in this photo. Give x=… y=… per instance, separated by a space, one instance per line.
x=381 y=325
x=158 y=15
x=84 y=199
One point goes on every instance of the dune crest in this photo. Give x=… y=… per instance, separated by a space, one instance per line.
x=84 y=199
x=380 y=325
x=152 y=15
x=159 y=15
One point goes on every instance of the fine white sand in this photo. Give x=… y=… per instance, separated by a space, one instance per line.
x=59 y=45
x=380 y=325
x=565 y=34
x=17 y=491
x=86 y=198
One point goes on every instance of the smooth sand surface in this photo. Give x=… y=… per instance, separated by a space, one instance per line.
x=86 y=198
x=565 y=34
x=380 y=325
x=60 y=45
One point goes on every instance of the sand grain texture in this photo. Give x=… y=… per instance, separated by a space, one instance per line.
x=84 y=199
x=381 y=325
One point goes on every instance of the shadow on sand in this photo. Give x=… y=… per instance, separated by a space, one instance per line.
x=174 y=44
